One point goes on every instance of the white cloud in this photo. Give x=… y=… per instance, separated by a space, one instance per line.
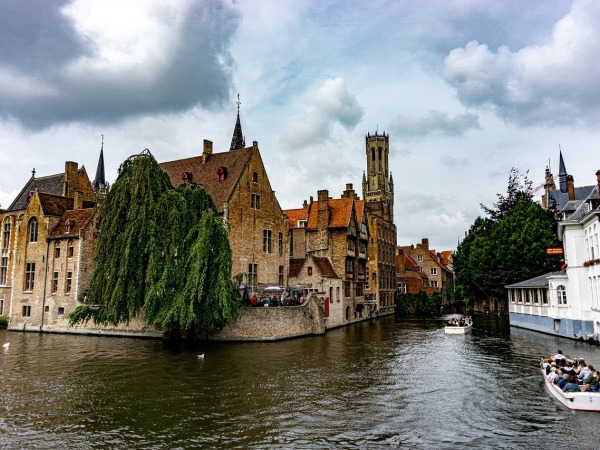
x=555 y=83
x=433 y=122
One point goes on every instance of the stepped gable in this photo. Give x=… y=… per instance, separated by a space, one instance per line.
x=206 y=174
x=325 y=267
x=51 y=184
x=55 y=205
x=296 y=266
x=78 y=218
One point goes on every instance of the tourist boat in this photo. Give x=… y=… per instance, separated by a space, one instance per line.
x=579 y=401
x=453 y=329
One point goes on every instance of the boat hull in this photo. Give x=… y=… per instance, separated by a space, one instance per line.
x=578 y=401
x=451 y=329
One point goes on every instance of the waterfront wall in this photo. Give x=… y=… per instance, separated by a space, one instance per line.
x=563 y=327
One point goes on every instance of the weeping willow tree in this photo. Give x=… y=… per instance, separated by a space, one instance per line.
x=162 y=251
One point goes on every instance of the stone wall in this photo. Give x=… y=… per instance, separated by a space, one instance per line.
x=270 y=324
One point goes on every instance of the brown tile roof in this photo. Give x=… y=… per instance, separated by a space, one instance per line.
x=340 y=212
x=359 y=206
x=233 y=162
x=296 y=266
x=55 y=205
x=79 y=219
x=325 y=267
x=294 y=215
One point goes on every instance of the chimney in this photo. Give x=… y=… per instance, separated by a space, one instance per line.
x=571 y=187
x=349 y=192
x=207 y=151
x=77 y=200
x=323 y=209
x=425 y=243
x=305 y=204
x=70 y=179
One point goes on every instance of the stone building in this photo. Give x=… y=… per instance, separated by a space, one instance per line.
x=41 y=206
x=237 y=182
x=378 y=194
x=328 y=241
x=434 y=266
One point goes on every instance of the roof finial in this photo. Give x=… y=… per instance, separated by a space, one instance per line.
x=33 y=172
x=238 y=103
x=102 y=145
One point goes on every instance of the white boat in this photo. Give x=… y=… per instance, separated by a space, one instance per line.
x=579 y=401
x=453 y=329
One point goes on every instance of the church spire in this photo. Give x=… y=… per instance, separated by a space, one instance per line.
x=100 y=181
x=562 y=173
x=238 y=140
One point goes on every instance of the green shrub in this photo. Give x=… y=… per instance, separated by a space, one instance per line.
x=3 y=322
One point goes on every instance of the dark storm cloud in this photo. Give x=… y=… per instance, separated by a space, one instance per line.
x=39 y=90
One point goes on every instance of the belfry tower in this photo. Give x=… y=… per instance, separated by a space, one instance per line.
x=378 y=194
x=378 y=184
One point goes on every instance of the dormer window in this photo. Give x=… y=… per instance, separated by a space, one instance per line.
x=255 y=177
x=302 y=224
x=309 y=271
x=186 y=177
x=221 y=173
x=68 y=226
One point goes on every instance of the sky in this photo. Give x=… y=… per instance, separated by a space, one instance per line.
x=466 y=89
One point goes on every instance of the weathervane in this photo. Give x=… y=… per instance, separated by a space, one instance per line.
x=33 y=172
x=102 y=145
x=238 y=102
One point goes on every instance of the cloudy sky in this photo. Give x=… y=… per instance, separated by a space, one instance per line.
x=466 y=89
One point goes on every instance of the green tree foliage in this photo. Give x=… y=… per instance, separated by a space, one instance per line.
x=419 y=304
x=507 y=247
x=161 y=249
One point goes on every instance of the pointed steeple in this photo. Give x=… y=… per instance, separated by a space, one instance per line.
x=238 y=140
x=562 y=173
x=100 y=181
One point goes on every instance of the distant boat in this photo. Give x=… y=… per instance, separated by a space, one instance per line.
x=579 y=401
x=453 y=329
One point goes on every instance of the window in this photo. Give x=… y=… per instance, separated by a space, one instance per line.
x=309 y=271
x=433 y=283
x=26 y=311
x=347 y=289
x=61 y=311
x=69 y=280
x=367 y=281
x=54 y=282
x=359 y=289
x=280 y=244
x=362 y=247
x=281 y=275
x=351 y=244
x=29 y=276
x=420 y=258
x=6 y=233
x=254 y=177
x=255 y=201
x=434 y=271
x=267 y=241
x=3 y=270
x=349 y=266
x=362 y=268
x=33 y=230
x=561 y=293
x=252 y=275
x=1 y=306
x=302 y=224
x=57 y=252
x=291 y=244
x=71 y=251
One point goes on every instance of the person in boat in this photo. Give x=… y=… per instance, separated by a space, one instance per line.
x=561 y=383
x=571 y=385
x=559 y=356
x=591 y=381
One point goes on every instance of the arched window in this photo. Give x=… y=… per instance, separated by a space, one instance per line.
x=33 y=230
x=561 y=293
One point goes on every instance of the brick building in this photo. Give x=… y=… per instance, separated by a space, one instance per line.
x=378 y=194
x=435 y=269
x=33 y=267
x=237 y=182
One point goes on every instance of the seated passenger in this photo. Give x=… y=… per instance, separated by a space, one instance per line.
x=591 y=381
x=571 y=386
x=562 y=381
x=559 y=356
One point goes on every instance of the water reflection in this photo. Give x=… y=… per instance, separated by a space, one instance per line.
x=391 y=382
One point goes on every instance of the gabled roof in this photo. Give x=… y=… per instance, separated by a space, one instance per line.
x=585 y=206
x=79 y=219
x=295 y=215
x=340 y=213
x=359 y=206
x=325 y=267
x=296 y=266
x=54 y=205
x=51 y=184
x=205 y=174
x=562 y=198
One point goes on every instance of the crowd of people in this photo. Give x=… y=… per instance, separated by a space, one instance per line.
x=460 y=321
x=570 y=375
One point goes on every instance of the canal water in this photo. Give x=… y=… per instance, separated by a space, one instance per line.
x=385 y=384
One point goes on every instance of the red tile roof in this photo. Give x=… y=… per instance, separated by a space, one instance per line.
x=325 y=267
x=294 y=215
x=296 y=266
x=340 y=213
x=205 y=174
x=79 y=219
